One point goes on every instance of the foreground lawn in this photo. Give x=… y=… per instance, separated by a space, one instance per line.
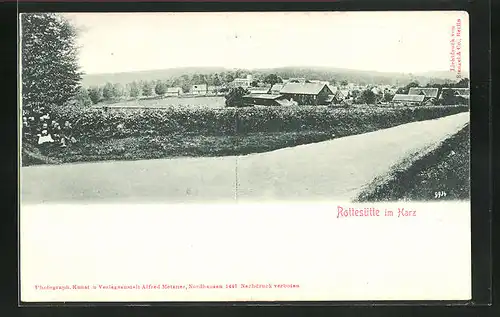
x=442 y=174
x=147 y=147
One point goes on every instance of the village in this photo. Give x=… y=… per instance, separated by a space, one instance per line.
x=313 y=92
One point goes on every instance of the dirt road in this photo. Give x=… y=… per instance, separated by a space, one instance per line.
x=330 y=170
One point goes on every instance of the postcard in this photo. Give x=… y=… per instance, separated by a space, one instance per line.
x=244 y=156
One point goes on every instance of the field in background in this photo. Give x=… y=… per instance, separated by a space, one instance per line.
x=206 y=101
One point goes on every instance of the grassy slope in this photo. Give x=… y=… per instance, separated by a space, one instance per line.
x=445 y=168
x=178 y=146
x=31 y=155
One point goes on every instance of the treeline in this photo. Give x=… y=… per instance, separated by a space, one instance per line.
x=462 y=83
x=448 y=97
x=110 y=92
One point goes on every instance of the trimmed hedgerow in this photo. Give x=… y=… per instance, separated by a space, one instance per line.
x=97 y=123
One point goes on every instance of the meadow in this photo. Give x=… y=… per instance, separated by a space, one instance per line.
x=205 y=101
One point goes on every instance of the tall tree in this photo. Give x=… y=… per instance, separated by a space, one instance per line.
x=49 y=62
x=228 y=77
x=95 y=94
x=217 y=80
x=147 y=88
x=118 y=90
x=448 y=97
x=272 y=79
x=134 y=90
x=108 y=91
x=235 y=97
x=160 y=88
x=368 y=97
x=82 y=97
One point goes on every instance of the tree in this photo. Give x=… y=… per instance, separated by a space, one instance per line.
x=254 y=83
x=413 y=84
x=118 y=90
x=272 y=79
x=160 y=88
x=406 y=88
x=49 y=61
x=463 y=83
x=344 y=83
x=448 y=97
x=355 y=94
x=147 y=88
x=234 y=97
x=95 y=94
x=368 y=97
x=388 y=96
x=108 y=92
x=228 y=78
x=134 y=90
x=185 y=87
x=216 y=80
x=82 y=97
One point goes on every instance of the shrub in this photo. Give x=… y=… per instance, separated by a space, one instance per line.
x=97 y=123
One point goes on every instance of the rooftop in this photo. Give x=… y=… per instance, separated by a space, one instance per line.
x=302 y=88
x=429 y=92
x=411 y=98
x=262 y=96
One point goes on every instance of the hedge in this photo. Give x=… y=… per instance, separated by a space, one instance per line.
x=98 y=123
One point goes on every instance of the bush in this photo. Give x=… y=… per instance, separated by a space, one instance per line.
x=98 y=123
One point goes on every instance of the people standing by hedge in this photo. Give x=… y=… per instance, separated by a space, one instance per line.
x=42 y=131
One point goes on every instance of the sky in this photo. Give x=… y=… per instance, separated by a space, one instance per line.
x=407 y=42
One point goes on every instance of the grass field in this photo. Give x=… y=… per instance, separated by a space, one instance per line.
x=441 y=174
x=209 y=102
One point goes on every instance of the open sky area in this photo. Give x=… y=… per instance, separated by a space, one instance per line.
x=409 y=42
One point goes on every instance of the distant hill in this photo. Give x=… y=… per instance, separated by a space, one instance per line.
x=128 y=77
x=320 y=73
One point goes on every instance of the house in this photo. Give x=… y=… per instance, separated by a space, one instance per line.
x=306 y=93
x=263 y=100
x=276 y=88
x=461 y=92
x=173 y=91
x=199 y=89
x=242 y=82
x=336 y=98
x=413 y=99
x=345 y=93
x=427 y=92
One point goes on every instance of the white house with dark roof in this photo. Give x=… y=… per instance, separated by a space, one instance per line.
x=173 y=91
x=201 y=89
x=242 y=82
